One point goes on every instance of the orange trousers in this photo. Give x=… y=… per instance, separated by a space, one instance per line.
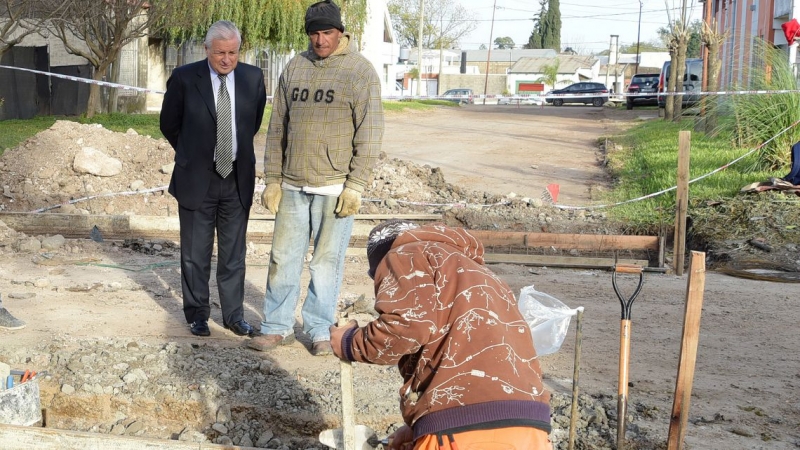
x=511 y=438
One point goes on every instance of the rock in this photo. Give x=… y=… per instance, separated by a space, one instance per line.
x=264 y=439
x=136 y=185
x=67 y=389
x=224 y=415
x=21 y=295
x=92 y=161
x=41 y=282
x=29 y=245
x=219 y=428
x=168 y=168
x=53 y=242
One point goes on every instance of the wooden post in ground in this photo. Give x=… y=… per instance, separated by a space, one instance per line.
x=576 y=369
x=682 y=199
x=348 y=401
x=688 y=354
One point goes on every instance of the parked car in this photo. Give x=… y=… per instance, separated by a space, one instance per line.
x=521 y=100
x=583 y=90
x=643 y=83
x=461 y=96
x=692 y=82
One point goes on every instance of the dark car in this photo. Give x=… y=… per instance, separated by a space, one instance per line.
x=580 y=93
x=461 y=96
x=692 y=82
x=643 y=83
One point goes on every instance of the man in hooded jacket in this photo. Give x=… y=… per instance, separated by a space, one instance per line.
x=471 y=375
x=323 y=139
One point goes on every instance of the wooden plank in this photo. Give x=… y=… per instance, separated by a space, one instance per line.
x=596 y=242
x=560 y=261
x=688 y=355
x=53 y=439
x=421 y=217
x=682 y=199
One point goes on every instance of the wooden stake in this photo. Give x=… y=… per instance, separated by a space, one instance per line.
x=348 y=401
x=576 y=368
x=688 y=355
x=682 y=199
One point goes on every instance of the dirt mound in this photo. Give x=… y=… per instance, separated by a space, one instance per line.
x=44 y=174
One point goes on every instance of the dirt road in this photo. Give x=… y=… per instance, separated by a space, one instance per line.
x=503 y=149
x=97 y=311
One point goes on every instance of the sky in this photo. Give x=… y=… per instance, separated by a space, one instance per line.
x=586 y=25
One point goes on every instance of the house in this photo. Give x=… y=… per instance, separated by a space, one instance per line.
x=745 y=21
x=147 y=63
x=526 y=75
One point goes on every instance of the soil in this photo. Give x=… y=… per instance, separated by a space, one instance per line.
x=104 y=320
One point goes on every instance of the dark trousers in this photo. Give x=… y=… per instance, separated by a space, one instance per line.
x=221 y=211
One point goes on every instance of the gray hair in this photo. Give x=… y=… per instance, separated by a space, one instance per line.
x=222 y=30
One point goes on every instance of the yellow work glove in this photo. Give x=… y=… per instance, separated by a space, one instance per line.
x=348 y=203
x=271 y=197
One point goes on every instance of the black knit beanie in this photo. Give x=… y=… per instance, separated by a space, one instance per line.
x=381 y=239
x=323 y=16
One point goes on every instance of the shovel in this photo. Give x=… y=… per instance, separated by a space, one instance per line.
x=350 y=436
x=625 y=346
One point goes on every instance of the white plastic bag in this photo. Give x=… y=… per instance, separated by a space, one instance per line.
x=547 y=317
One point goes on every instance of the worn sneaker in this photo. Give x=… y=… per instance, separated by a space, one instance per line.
x=9 y=322
x=321 y=348
x=269 y=341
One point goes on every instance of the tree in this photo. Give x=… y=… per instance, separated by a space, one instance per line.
x=535 y=39
x=444 y=23
x=713 y=39
x=678 y=43
x=504 y=42
x=551 y=26
x=546 y=27
x=550 y=74
x=22 y=18
x=643 y=47
x=695 y=43
x=98 y=30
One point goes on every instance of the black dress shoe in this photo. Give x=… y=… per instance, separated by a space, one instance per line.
x=241 y=328
x=200 y=328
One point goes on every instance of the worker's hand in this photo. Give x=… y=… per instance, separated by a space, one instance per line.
x=271 y=197
x=348 y=203
x=401 y=439
x=336 y=337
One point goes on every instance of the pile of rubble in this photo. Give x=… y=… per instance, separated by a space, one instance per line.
x=246 y=399
x=74 y=168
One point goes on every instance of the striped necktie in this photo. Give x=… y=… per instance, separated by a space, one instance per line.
x=224 y=151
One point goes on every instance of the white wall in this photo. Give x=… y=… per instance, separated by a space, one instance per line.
x=382 y=55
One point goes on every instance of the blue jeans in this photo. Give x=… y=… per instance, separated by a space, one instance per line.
x=302 y=217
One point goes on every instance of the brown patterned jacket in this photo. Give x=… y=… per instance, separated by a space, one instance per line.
x=454 y=330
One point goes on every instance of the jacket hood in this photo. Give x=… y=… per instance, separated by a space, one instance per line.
x=346 y=45
x=459 y=238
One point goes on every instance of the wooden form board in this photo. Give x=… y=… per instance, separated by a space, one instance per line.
x=260 y=229
x=596 y=242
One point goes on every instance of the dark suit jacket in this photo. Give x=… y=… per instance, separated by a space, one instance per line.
x=189 y=122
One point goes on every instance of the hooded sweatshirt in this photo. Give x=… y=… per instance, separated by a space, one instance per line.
x=327 y=120
x=453 y=328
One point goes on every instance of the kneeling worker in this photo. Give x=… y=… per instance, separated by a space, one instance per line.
x=471 y=374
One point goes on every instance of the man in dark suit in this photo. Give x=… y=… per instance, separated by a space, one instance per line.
x=211 y=111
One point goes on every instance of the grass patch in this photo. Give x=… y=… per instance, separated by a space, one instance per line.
x=12 y=132
x=414 y=105
x=647 y=163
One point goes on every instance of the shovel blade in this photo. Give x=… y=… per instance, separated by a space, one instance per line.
x=366 y=438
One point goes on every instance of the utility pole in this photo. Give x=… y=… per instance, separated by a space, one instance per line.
x=639 y=37
x=616 y=63
x=610 y=54
x=441 y=55
x=489 y=54
x=419 y=47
